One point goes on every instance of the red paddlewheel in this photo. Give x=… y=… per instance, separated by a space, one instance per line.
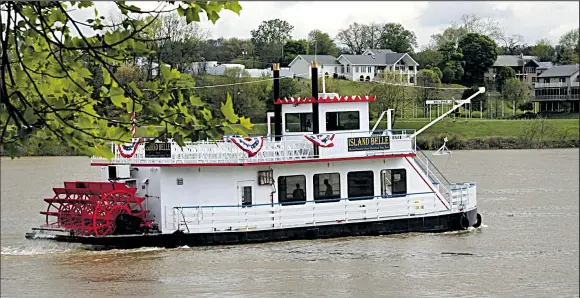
x=91 y=208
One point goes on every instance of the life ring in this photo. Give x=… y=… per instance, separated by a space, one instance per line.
x=478 y=222
x=464 y=222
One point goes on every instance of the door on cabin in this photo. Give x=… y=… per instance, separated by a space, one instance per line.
x=246 y=193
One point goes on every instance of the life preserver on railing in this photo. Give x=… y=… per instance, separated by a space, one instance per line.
x=251 y=145
x=322 y=140
x=127 y=151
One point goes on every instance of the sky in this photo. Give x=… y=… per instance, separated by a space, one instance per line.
x=531 y=19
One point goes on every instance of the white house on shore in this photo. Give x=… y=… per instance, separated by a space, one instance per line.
x=364 y=67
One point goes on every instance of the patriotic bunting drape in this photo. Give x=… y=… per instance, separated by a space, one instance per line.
x=251 y=145
x=322 y=140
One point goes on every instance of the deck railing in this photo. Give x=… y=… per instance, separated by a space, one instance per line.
x=289 y=148
x=200 y=219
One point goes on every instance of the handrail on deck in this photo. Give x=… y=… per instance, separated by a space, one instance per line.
x=354 y=199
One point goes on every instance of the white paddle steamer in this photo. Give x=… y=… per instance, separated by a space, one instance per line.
x=323 y=172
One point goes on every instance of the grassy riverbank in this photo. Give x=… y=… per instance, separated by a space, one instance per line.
x=462 y=134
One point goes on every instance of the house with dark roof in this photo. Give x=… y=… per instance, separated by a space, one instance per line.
x=364 y=67
x=327 y=64
x=525 y=67
x=557 y=89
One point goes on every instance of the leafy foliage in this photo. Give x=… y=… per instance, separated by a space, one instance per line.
x=479 y=52
x=515 y=92
x=270 y=38
x=48 y=64
x=504 y=73
x=321 y=44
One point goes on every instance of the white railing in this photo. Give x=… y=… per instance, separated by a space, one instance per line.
x=463 y=196
x=550 y=85
x=289 y=148
x=200 y=219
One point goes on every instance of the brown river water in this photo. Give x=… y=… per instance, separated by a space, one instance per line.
x=526 y=247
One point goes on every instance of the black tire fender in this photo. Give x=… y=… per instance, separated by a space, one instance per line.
x=478 y=222
x=464 y=222
x=178 y=238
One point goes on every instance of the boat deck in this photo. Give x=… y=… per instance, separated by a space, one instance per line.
x=291 y=148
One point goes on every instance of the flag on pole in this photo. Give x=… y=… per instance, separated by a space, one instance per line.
x=134 y=127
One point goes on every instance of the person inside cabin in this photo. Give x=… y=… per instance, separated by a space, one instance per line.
x=298 y=193
x=328 y=192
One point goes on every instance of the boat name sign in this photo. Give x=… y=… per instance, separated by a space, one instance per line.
x=158 y=150
x=368 y=143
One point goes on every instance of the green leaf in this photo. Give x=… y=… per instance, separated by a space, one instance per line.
x=191 y=15
x=104 y=151
x=166 y=73
x=85 y=122
x=135 y=89
x=178 y=138
x=206 y=114
x=195 y=101
x=29 y=116
x=227 y=110
x=233 y=6
x=106 y=76
x=84 y=4
x=118 y=96
x=246 y=123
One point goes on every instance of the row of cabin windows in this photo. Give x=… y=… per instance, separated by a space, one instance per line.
x=302 y=122
x=360 y=186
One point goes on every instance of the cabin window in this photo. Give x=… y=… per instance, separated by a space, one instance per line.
x=298 y=122
x=347 y=68
x=393 y=182
x=327 y=187
x=246 y=195
x=342 y=121
x=360 y=185
x=369 y=69
x=292 y=190
x=356 y=69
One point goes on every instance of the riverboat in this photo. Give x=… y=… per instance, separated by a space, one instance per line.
x=308 y=179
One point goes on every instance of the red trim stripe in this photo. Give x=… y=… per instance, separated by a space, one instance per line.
x=328 y=99
x=440 y=200
x=265 y=163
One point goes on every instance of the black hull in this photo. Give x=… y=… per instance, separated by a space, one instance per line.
x=441 y=223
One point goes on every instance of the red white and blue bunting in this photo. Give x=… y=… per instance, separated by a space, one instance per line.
x=127 y=151
x=323 y=140
x=251 y=145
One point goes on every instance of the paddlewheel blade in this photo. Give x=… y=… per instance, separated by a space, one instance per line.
x=92 y=208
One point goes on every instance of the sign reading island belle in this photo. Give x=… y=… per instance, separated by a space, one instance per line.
x=368 y=143
x=158 y=150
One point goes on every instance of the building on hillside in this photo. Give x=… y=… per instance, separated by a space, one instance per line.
x=557 y=89
x=219 y=70
x=525 y=68
x=196 y=68
x=364 y=67
x=543 y=67
x=300 y=66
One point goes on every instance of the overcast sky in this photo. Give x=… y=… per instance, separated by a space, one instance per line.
x=533 y=20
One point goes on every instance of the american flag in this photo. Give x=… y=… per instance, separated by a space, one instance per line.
x=134 y=127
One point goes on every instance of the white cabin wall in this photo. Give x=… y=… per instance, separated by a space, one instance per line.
x=210 y=186
x=148 y=186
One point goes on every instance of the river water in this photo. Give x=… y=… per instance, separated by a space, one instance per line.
x=527 y=246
